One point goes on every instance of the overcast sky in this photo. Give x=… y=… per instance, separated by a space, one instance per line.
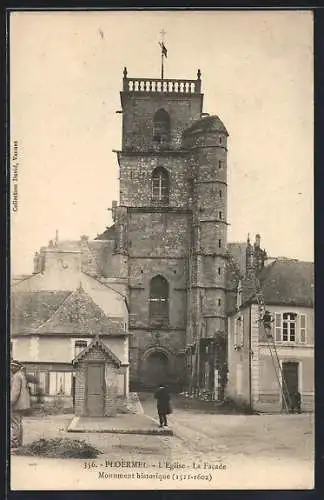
x=66 y=75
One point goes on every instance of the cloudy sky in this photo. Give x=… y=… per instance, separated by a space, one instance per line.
x=66 y=75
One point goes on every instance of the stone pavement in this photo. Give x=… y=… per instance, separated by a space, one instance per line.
x=206 y=452
x=276 y=436
x=137 y=423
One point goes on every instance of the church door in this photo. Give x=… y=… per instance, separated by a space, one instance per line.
x=156 y=370
x=95 y=389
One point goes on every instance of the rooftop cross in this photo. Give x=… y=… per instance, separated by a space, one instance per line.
x=164 y=52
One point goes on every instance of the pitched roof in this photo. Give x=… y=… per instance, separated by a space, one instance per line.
x=288 y=282
x=29 y=310
x=96 y=343
x=42 y=313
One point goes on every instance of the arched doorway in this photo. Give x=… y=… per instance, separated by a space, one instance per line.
x=156 y=369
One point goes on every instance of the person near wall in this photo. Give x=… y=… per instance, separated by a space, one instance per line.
x=163 y=400
x=296 y=402
x=20 y=403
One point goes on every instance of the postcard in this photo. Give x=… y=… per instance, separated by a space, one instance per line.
x=162 y=287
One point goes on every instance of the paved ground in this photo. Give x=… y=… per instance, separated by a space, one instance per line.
x=208 y=451
x=276 y=436
x=138 y=423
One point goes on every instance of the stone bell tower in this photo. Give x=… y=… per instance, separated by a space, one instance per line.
x=156 y=196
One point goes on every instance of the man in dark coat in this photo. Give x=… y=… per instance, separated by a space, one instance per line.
x=20 y=402
x=162 y=397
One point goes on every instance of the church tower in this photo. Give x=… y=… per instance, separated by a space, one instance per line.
x=173 y=200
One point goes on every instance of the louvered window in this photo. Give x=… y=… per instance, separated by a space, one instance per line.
x=302 y=329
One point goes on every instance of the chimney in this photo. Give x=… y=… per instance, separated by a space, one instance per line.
x=36 y=263
x=257 y=241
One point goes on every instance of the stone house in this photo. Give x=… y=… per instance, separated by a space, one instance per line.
x=254 y=376
x=58 y=311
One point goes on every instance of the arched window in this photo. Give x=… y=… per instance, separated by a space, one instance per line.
x=160 y=186
x=161 y=126
x=159 y=301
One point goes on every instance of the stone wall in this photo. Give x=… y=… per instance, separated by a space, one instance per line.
x=114 y=383
x=138 y=112
x=136 y=174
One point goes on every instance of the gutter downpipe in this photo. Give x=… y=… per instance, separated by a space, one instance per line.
x=250 y=359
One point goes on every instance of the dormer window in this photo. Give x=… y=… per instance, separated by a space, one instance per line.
x=161 y=127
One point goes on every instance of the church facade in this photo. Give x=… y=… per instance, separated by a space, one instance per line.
x=170 y=227
x=173 y=291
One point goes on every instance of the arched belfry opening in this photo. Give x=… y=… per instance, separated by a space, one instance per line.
x=159 y=301
x=161 y=127
x=160 y=186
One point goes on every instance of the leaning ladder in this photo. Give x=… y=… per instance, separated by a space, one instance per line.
x=272 y=348
x=271 y=345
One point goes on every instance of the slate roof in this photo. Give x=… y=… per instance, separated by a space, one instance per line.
x=29 y=310
x=288 y=282
x=52 y=313
x=207 y=124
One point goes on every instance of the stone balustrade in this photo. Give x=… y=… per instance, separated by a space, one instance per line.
x=156 y=85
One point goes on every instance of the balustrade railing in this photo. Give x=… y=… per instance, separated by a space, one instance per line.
x=154 y=85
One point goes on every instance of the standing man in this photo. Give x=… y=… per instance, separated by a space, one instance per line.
x=20 y=402
x=163 y=404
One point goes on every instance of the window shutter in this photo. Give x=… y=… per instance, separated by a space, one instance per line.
x=68 y=384
x=302 y=328
x=52 y=384
x=235 y=337
x=42 y=381
x=278 y=327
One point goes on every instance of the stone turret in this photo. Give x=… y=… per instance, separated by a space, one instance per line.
x=207 y=139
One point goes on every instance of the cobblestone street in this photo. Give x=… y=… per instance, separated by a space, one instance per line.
x=207 y=451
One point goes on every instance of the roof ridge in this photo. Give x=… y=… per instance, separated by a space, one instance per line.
x=105 y=284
